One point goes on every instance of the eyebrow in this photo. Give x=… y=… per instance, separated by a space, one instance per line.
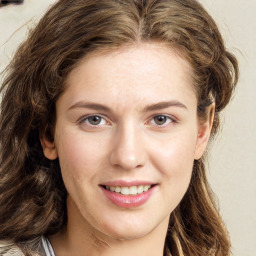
x=165 y=104
x=90 y=105
x=151 y=107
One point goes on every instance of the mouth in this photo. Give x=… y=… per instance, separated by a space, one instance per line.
x=129 y=191
x=126 y=196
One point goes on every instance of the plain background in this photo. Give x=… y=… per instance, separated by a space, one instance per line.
x=232 y=159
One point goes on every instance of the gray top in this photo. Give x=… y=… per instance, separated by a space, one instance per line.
x=44 y=248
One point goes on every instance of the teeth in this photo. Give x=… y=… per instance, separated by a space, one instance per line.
x=117 y=189
x=133 y=190
x=125 y=191
x=140 y=189
x=146 y=188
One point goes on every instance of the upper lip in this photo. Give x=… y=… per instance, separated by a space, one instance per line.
x=124 y=183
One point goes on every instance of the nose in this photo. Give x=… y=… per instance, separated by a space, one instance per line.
x=128 y=149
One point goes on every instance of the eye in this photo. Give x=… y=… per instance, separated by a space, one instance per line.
x=94 y=120
x=161 y=120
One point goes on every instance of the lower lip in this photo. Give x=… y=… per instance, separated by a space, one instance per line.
x=128 y=201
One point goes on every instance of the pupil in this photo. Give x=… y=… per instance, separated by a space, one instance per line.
x=94 y=120
x=160 y=120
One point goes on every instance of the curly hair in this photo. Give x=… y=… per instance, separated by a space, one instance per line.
x=32 y=193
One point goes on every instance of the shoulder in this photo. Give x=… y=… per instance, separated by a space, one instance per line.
x=34 y=247
x=8 y=248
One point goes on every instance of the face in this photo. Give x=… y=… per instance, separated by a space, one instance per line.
x=126 y=136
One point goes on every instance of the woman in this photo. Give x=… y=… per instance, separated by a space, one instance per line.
x=106 y=113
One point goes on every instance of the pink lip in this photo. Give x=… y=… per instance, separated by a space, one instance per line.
x=128 y=201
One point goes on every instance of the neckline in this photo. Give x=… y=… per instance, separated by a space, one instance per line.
x=47 y=247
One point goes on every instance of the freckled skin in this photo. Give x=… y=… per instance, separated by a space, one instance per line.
x=127 y=144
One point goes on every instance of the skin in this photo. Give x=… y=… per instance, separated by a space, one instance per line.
x=129 y=143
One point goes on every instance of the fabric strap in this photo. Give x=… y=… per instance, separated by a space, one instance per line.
x=47 y=247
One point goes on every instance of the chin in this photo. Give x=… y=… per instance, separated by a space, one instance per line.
x=126 y=232
x=127 y=235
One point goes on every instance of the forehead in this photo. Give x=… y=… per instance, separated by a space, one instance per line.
x=142 y=73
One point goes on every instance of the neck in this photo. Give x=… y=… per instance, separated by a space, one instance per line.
x=79 y=237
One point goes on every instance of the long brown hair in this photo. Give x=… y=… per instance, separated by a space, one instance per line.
x=32 y=193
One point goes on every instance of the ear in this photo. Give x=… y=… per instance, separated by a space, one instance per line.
x=48 y=145
x=204 y=132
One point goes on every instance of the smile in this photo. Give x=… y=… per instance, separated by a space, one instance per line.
x=133 y=190
x=128 y=196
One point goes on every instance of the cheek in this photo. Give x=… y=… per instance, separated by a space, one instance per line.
x=175 y=157
x=175 y=162
x=79 y=156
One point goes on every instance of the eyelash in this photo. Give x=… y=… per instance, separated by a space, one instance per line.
x=85 y=120
x=167 y=117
